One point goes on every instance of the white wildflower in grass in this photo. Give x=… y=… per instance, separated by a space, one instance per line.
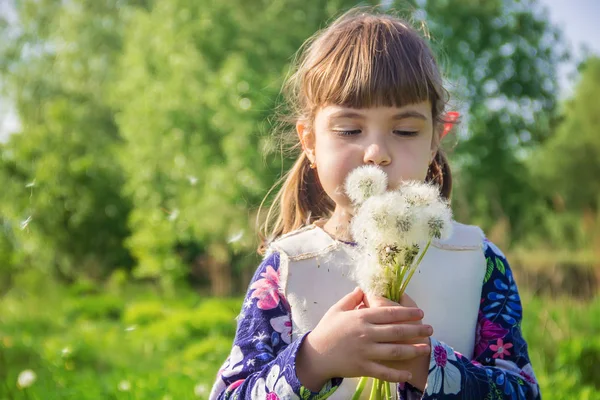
x=364 y=182
x=124 y=386
x=393 y=231
x=26 y=378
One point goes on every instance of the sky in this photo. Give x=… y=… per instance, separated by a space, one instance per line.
x=580 y=22
x=578 y=19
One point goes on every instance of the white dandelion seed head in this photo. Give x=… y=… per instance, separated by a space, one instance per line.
x=385 y=220
x=438 y=217
x=26 y=378
x=419 y=193
x=369 y=274
x=373 y=223
x=364 y=182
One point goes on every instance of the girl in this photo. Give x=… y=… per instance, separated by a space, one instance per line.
x=367 y=90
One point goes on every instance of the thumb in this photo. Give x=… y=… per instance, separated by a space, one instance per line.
x=350 y=301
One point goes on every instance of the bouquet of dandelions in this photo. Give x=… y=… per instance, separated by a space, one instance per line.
x=392 y=229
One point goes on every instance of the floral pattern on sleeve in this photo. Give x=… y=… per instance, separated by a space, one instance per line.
x=501 y=368
x=261 y=364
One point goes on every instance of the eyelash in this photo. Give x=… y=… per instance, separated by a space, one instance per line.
x=357 y=131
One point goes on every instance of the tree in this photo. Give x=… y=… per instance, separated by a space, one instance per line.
x=61 y=187
x=568 y=164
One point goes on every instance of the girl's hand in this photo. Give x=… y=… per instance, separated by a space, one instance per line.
x=418 y=366
x=351 y=342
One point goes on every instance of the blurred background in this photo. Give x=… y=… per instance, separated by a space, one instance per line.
x=136 y=145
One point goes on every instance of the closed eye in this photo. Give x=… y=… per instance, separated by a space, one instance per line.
x=406 y=133
x=357 y=131
x=348 y=133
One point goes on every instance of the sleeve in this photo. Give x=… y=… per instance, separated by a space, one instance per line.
x=501 y=368
x=261 y=364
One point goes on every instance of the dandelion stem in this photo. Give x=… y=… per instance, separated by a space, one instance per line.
x=373 y=395
x=360 y=387
x=414 y=267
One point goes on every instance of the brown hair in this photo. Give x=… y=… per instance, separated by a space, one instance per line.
x=362 y=60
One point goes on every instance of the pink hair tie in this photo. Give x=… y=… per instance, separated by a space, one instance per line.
x=451 y=118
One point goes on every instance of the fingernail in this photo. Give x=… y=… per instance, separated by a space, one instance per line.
x=428 y=330
x=420 y=313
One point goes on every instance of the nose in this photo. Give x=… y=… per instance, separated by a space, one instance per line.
x=377 y=154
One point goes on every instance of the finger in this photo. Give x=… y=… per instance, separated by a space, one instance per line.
x=399 y=332
x=379 y=301
x=391 y=315
x=398 y=352
x=350 y=301
x=379 y=371
x=407 y=301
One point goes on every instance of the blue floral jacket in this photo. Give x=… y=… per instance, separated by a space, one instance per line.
x=262 y=361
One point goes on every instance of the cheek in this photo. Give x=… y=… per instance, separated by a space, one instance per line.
x=412 y=163
x=333 y=168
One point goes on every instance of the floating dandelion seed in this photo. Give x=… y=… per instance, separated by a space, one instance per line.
x=200 y=390
x=236 y=237
x=130 y=328
x=174 y=214
x=193 y=180
x=25 y=224
x=26 y=378
x=30 y=185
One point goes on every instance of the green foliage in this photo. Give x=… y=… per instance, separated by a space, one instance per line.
x=96 y=307
x=61 y=187
x=562 y=337
x=175 y=352
x=568 y=164
x=586 y=354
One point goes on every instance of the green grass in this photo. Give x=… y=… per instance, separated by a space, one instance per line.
x=133 y=344
x=564 y=345
x=95 y=347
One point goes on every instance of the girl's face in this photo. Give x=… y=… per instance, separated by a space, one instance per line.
x=399 y=140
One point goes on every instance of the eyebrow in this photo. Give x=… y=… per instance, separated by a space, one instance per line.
x=399 y=116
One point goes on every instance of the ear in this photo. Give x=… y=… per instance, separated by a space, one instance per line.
x=307 y=139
